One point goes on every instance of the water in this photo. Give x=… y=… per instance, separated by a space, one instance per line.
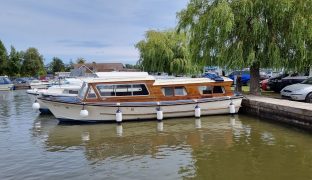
x=33 y=146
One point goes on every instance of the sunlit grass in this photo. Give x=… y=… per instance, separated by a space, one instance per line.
x=272 y=94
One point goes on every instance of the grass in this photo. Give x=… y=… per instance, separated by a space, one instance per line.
x=271 y=94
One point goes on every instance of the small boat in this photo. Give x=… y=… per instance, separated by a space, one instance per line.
x=139 y=96
x=69 y=88
x=5 y=83
x=37 y=84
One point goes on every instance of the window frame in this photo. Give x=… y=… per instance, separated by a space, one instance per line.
x=114 y=88
x=174 y=93
x=212 y=92
x=87 y=93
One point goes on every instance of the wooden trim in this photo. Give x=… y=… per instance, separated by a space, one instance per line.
x=156 y=94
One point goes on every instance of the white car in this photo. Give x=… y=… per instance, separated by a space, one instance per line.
x=299 y=92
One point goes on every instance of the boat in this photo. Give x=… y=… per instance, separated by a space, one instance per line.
x=5 y=83
x=70 y=87
x=139 y=96
x=37 y=84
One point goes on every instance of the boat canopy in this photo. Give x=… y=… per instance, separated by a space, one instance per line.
x=5 y=80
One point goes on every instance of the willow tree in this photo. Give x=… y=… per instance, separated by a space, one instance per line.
x=164 y=51
x=249 y=33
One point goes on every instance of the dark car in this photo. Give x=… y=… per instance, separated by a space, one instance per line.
x=277 y=83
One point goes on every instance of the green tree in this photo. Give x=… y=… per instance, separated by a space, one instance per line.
x=56 y=65
x=32 y=63
x=3 y=59
x=69 y=66
x=14 y=63
x=249 y=33
x=164 y=51
x=80 y=60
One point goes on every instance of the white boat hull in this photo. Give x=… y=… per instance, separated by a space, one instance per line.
x=99 y=113
x=6 y=87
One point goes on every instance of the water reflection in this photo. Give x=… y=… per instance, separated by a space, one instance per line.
x=85 y=136
x=197 y=123
x=213 y=147
x=119 y=130
x=160 y=126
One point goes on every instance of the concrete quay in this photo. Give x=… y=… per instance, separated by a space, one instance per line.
x=294 y=113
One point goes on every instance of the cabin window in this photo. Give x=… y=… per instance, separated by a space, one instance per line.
x=122 y=90
x=168 y=91
x=218 y=89
x=72 y=92
x=106 y=90
x=91 y=93
x=209 y=90
x=206 y=90
x=174 y=91
x=179 y=91
x=69 y=91
x=83 y=90
x=139 y=90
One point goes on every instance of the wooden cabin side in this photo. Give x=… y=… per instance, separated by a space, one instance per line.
x=156 y=92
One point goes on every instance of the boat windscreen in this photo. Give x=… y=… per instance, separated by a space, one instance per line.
x=83 y=90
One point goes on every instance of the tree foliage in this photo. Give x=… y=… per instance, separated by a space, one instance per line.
x=14 y=63
x=247 y=33
x=56 y=65
x=164 y=51
x=3 y=59
x=80 y=60
x=32 y=63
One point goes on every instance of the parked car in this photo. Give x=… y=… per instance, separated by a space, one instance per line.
x=299 y=92
x=279 y=82
x=264 y=85
x=246 y=76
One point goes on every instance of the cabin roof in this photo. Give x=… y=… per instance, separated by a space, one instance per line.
x=186 y=81
x=118 y=79
x=142 y=77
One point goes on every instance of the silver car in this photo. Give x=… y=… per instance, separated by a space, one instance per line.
x=299 y=92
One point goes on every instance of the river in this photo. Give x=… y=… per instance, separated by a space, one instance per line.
x=34 y=146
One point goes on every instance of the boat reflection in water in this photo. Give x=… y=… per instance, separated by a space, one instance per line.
x=202 y=148
x=104 y=142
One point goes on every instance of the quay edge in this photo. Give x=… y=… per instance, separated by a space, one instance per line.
x=293 y=113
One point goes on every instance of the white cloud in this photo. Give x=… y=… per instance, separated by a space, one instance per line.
x=97 y=30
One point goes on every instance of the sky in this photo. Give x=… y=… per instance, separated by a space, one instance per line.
x=97 y=30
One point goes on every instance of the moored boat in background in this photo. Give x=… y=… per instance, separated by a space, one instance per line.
x=37 y=84
x=69 y=88
x=5 y=83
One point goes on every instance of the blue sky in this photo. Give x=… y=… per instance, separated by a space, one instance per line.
x=97 y=30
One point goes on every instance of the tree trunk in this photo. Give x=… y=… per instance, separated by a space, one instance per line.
x=255 y=78
x=238 y=84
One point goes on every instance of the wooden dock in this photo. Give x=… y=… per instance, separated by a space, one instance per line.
x=294 y=113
